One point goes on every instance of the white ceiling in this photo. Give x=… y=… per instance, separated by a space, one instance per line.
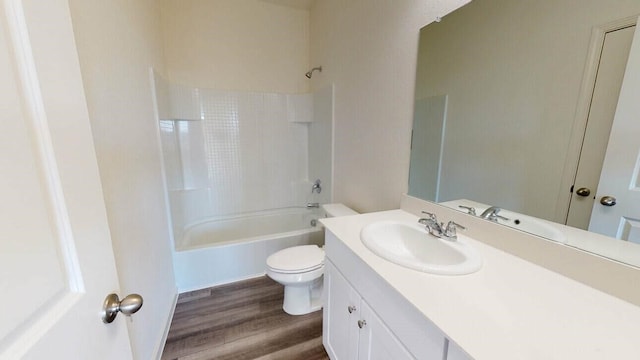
x=298 y=4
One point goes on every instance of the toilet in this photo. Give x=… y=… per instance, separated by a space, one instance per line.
x=300 y=269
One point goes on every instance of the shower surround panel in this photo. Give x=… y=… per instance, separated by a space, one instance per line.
x=238 y=153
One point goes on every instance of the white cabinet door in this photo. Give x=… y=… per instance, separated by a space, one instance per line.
x=376 y=341
x=351 y=329
x=342 y=306
x=56 y=259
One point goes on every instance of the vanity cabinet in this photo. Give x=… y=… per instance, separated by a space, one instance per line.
x=352 y=330
x=365 y=318
x=340 y=333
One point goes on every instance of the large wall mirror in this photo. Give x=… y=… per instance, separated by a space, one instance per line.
x=532 y=107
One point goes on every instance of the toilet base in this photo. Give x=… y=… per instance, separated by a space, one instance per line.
x=301 y=300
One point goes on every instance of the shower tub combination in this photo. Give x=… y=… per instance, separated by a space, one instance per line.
x=223 y=250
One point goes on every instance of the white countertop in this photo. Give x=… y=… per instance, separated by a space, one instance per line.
x=510 y=308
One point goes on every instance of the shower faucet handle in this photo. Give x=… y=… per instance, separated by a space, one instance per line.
x=316 y=187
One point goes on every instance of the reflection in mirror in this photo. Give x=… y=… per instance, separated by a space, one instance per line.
x=515 y=106
x=428 y=130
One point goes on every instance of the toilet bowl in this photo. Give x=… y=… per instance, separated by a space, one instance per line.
x=300 y=269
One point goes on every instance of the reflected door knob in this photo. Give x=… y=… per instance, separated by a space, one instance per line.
x=583 y=191
x=112 y=305
x=608 y=201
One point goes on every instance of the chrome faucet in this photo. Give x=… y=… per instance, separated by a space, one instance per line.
x=491 y=214
x=450 y=233
x=438 y=229
x=313 y=205
x=431 y=224
x=470 y=210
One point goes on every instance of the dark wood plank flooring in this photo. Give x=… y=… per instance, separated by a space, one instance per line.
x=243 y=320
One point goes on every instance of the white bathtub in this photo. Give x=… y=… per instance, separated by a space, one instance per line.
x=229 y=249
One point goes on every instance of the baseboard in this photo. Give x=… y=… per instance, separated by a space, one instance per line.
x=208 y=285
x=163 y=339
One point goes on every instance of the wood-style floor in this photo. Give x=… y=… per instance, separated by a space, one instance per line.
x=243 y=320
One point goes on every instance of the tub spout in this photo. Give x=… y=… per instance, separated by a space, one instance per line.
x=313 y=205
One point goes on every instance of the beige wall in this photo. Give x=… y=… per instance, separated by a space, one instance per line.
x=245 y=45
x=368 y=49
x=117 y=41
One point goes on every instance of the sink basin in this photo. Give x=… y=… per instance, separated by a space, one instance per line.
x=529 y=224
x=534 y=226
x=410 y=245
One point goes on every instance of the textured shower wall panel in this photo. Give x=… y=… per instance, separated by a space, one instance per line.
x=184 y=153
x=248 y=153
x=256 y=156
x=300 y=108
x=188 y=207
x=171 y=155
x=193 y=149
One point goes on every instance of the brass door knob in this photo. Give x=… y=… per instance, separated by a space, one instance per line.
x=583 y=191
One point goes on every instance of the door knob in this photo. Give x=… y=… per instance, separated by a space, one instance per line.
x=583 y=191
x=112 y=304
x=608 y=201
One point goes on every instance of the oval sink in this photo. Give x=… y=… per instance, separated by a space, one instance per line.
x=410 y=245
x=534 y=226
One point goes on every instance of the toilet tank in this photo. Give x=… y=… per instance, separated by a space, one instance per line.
x=335 y=210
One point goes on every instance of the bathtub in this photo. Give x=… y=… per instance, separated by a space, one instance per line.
x=223 y=250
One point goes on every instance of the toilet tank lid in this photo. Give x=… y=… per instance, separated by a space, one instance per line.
x=297 y=258
x=334 y=210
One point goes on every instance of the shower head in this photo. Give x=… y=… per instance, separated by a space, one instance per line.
x=310 y=72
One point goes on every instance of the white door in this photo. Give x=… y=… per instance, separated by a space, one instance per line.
x=604 y=99
x=621 y=166
x=56 y=260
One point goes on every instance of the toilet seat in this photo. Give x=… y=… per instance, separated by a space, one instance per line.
x=279 y=271
x=297 y=259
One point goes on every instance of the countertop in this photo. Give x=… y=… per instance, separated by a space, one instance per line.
x=510 y=308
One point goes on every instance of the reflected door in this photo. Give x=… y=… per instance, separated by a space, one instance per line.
x=621 y=166
x=611 y=68
x=56 y=261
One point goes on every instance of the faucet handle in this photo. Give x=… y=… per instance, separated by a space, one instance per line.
x=470 y=210
x=450 y=231
x=495 y=217
x=316 y=187
x=431 y=215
